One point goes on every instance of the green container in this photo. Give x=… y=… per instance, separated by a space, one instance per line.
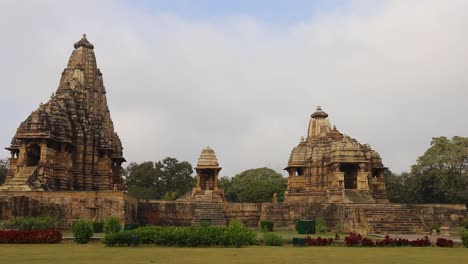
x=298 y=242
x=266 y=225
x=306 y=227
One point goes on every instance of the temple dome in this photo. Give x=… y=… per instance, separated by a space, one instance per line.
x=207 y=159
x=83 y=42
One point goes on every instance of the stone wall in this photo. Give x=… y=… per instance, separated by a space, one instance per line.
x=70 y=206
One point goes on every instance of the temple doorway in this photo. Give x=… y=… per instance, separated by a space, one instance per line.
x=207 y=179
x=33 y=155
x=350 y=175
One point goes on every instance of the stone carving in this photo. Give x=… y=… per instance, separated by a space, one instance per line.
x=69 y=142
x=331 y=167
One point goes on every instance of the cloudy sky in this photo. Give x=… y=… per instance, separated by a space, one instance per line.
x=243 y=77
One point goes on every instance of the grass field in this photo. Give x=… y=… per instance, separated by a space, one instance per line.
x=69 y=253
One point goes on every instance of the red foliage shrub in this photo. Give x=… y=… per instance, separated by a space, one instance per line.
x=421 y=242
x=442 y=242
x=318 y=241
x=353 y=239
x=365 y=242
x=30 y=236
x=390 y=242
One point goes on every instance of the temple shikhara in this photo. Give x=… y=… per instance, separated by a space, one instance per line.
x=329 y=167
x=69 y=143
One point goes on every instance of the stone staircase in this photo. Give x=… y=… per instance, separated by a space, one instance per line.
x=359 y=197
x=21 y=181
x=212 y=211
x=380 y=196
x=393 y=219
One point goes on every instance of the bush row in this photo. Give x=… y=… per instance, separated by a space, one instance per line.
x=30 y=223
x=357 y=240
x=233 y=235
x=30 y=236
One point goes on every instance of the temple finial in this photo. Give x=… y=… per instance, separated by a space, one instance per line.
x=84 y=35
x=319 y=108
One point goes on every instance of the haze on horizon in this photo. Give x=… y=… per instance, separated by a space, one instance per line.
x=243 y=77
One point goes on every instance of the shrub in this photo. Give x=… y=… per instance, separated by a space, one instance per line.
x=465 y=224
x=272 y=239
x=443 y=242
x=320 y=225
x=433 y=226
x=353 y=240
x=30 y=236
x=98 y=227
x=390 y=242
x=112 y=225
x=366 y=242
x=205 y=222
x=338 y=230
x=421 y=242
x=238 y=235
x=82 y=231
x=31 y=223
x=233 y=235
x=122 y=238
x=464 y=236
x=266 y=225
x=318 y=241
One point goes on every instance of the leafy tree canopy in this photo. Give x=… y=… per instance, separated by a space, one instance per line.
x=166 y=179
x=3 y=170
x=255 y=186
x=439 y=176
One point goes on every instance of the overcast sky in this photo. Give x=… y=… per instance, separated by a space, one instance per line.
x=243 y=77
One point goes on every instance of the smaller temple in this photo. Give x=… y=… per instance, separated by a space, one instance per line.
x=207 y=179
x=329 y=167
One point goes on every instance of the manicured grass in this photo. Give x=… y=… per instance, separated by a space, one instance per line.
x=98 y=253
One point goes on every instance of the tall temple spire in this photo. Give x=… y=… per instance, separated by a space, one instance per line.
x=318 y=125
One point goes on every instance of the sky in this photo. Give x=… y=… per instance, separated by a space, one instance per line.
x=244 y=76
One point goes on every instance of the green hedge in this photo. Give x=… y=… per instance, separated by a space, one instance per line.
x=31 y=223
x=112 y=225
x=272 y=239
x=233 y=235
x=464 y=236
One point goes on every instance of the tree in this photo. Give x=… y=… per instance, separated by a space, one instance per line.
x=167 y=179
x=441 y=174
x=3 y=170
x=397 y=187
x=256 y=186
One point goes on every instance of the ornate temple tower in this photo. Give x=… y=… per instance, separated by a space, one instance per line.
x=69 y=143
x=328 y=166
x=207 y=179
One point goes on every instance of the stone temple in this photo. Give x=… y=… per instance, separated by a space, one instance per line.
x=66 y=162
x=329 y=167
x=69 y=143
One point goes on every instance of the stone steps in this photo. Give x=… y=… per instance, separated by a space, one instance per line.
x=20 y=181
x=212 y=211
x=384 y=219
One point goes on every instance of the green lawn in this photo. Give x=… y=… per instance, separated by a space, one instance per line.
x=69 y=253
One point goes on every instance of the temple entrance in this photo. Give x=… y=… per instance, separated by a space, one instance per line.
x=33 y=155
x=350 y=175
x=207 y=179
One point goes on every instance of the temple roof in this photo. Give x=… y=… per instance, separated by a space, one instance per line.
x=83 y=42
x=208 y=160
x=324 y=145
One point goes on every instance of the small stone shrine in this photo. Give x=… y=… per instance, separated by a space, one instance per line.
x=207 y=179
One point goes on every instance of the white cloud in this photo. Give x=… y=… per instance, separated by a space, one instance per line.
x=393 y=76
